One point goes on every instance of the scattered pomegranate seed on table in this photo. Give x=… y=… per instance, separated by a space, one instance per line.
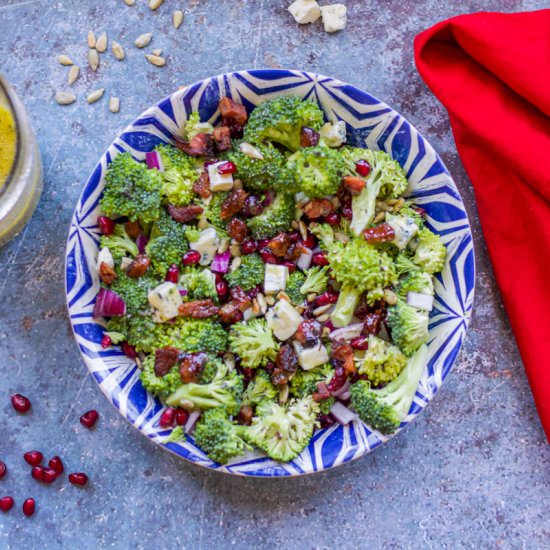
x=89 y=419
x=29 y=507
x=56 y=464
x=49 y=475
x=37 y=473
x=20 y=403
x=78 y=478
x=34 y=458
x=3 y=469
x=6 y=504
x=106 y=341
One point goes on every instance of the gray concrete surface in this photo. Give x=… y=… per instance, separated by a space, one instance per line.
x=472 y=472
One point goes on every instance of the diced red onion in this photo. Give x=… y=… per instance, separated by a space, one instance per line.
x=420 y=301
x=182 y=292
x=342 y=414
x=220 y=263
x=304 y=260
x=346 y=333
x=154 y=161
x=341 y=392
x=141 y=241
x=191 y=421
x=108 y=304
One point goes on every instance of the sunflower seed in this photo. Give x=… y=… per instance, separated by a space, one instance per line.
x=237 y=184
x=96 y=95
x=323 y=318
x=156 y=60
x=93 y=59
x=380 y=217
x=294 y=224
x=130 y=2
x=177 y=18
x=262 y=303
x=399 y=204
x=91 y=39
x=283 y=394
x=101 y=44
x=311 y=297
x=390 y=297
x=65 y=98
x=224 y=245
x=342 y=237
x=303 y=230
x=114 y=104
x=143 y=40
x=157 y=52
x=118 y=50
x=283 y=296
x=326 y=332
x=155 y=4
x=235 y=250
x=255 y=306
x=269 y=300
x=65 y=60
x=235 y=264
x=321 y=310
x=74 y=73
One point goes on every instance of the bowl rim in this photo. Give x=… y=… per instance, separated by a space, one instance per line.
x=315 y=77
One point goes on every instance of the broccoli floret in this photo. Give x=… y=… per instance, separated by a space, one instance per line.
x=326 y=404
x=275 y=218
x=134 y=290
x=404 y=265
x=430 y=252
x=199 y=283
x=293 y=287
x=194 y=126
x=140 y=331
x=384 y=409
x=382 y=362
x=283 y=432
x=253 y=342
x=218 y=437
x=194 y=335
x=347 y=303
x=318 y=170
x=316 y=280
x=323 y=232
x=281 y=120
x=259 y=175
x=225 y=390
x=119 y=243
x=249 y=274
x=409 y=212
x=408 y=325
x=386 y=179
x=416 y=281
x=178 y=176
x=210 y=369
x=260 y=389
x=161 y=386
x=116 y=337
x=176 y=435
x=131 y=190
x=304 y=382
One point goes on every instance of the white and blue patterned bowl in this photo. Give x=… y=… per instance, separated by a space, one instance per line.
x=370 y=123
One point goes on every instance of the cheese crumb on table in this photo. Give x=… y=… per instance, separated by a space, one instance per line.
x=334 y=17
x=305 y=11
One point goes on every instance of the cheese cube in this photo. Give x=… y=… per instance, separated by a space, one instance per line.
x=207 y=244
x=219 y=182
x=105 y=257
x=404 y=228
x=165 y=300
x=305 y=11
x=283 y=320
x=275 y=278
x=333 y=135
x=309 y=358
x=334 y=17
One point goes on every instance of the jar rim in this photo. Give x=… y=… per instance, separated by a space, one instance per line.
x=7 y=92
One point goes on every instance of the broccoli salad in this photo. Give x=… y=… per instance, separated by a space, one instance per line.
x=268 y=279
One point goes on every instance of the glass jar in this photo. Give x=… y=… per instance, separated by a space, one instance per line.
x=20 y=185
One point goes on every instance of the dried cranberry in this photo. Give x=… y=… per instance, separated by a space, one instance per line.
x=227 y=168
x=361 y=343
x=29 y=507
x=106 y=225
x=236 y=130
x=267 y=256
x=362 y=167
x=106 y=341
x=128 y=350
x=319 y=258
x=333 y=218
x=6 y=504
x=191 y=257
x=222 y=289
x=181 y=417
x=34 y=458
x=20 y=403
x=310 y=241
x=78 y=478
x=89 y=418
x=252 y=206
x=248 y=246
x=167 y=418
x=172 y=274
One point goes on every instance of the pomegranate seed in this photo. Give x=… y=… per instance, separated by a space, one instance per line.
x=361 y=342
x=181 y=417
x=6 y=504
x=191 y=257
x=227 y=168
x=106 y=225
x=262 y=243
x=34 y=458
x=78 y=478
x=128 y=350
x=3 y=469
x=38 y=473
x=291 y=266
x=172 y=275
x=106 y=341
x=20 y=403
x=333 y=218
x=310 y=241
x=319 y=258
x=207 y=163
x=249 y=246
x=167 y=417
x=89 y=418
x=252 y=206
x=56 y=465
x=267 y=256
x=347 y=212
x=326 y=298
x=29 y=506
x=362 y=167
x=222 y=289
x=49 y=475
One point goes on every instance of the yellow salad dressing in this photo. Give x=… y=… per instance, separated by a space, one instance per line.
x=8 y=142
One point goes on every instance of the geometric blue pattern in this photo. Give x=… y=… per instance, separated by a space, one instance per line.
x=370 y=123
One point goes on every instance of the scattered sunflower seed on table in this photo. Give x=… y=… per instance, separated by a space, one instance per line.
x=93 y=59
x=91 y=39
x=101 y=43
x=114 y=104
x=65 y=60
x=118 y=50
x=157 y=52
x=130 y=2
x=65 y=98
x=155 y=4
x=177 y=18
x=96 y=95
x=74 y=73
x=156 y=60
x=143 y=40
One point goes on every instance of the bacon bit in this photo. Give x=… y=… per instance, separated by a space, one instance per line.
x=233 y=203
x=202 y=145
x=133 y=229
x=106 y=273
x=322 y=392
x=192 y=366
x=245 y=415
x=240 y=298
x=308 y=137
x=230 y=313
x=202 y=186
x=318 y=208
x=342 y=356
x=222 y=137
x=138 y=267
x=294 y=251
x=233 y=111
x=382 y=233
x=165 y=359
x=308 y=332
x=184 y=214
x=279 y=377
x=198 y=309
x=353 y=184
x=279 y=245
x=287 y=360
x=237 y=229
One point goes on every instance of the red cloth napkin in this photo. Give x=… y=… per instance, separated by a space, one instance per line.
x=492 y=73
